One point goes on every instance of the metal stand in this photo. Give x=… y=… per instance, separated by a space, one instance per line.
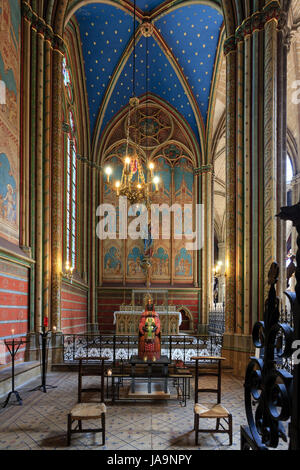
x=43 y=387
x=13 y=347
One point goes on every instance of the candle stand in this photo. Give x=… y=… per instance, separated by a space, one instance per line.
x=44 y=338
x=13 y=347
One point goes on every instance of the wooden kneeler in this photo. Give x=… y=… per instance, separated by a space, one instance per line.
x=84 y=411
x=217 y=411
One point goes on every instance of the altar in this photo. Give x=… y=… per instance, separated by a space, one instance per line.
x=127 y=321
x=127 y=318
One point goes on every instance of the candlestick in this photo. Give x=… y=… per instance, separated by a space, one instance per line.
x=13 y=348
x=44 y=337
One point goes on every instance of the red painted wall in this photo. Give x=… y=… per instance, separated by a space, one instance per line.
x=109 y=301
x=14 y=306
x=73 y=309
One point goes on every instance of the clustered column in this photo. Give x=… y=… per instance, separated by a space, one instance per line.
x=42 y=165
x=255 y=57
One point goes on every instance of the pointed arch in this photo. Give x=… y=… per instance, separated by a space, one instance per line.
x=183 y=124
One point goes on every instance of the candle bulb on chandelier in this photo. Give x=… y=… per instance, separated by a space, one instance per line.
x=127 y=163
x=151 y=167
x=108 y=172
x=155 y=182
x=118 y=187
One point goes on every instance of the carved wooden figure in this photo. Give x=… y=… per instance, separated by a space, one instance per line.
x=149 y=334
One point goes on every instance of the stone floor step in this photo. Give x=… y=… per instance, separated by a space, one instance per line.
x=24 y=372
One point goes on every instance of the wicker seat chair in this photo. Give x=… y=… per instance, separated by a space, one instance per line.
x=217 y=411
x=88 y=410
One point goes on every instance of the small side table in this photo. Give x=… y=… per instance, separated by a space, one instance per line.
x=183 y=385
x=13 y=347
x=164 y=361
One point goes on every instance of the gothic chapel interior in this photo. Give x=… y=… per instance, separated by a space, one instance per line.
x=149 y=224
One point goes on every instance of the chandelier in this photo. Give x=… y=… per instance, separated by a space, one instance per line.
x=138 y=184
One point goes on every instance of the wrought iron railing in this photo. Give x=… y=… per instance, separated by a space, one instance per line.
x=122 y=347
x=216 y=320
x=272 y=393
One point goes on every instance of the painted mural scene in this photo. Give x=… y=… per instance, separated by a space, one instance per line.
x=149 y=227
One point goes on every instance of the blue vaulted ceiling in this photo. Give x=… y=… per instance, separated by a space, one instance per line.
x=148 y=5
x=162 y=81
x=190 y=33
x=105 y=32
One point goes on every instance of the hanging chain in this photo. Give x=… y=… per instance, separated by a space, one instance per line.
x=134 y=31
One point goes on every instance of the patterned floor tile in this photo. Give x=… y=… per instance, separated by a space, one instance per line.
x=152 y=425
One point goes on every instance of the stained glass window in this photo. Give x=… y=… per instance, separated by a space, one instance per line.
x=67 y=78
x=70 y=177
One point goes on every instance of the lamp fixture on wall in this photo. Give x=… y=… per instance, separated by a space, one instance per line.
x=68 y=273
x=217 y=269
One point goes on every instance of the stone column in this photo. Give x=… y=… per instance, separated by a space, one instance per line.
x=85 y=220
x=231 y=190
x=56 y=185
x=255 y=98
x=270 y=147
x=257 y=180
x=93 y=258
x=199 y=267
x=47 y=178
x=27 y=149
x=221 y=248
x=205 y=175
x=244 y=318
x=33 y=74
x=239 y=229
x=39 y=176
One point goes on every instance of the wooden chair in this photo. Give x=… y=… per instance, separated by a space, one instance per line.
x=217 y=411
x=84 y=411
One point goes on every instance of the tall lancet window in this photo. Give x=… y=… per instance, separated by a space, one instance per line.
x=70 y=171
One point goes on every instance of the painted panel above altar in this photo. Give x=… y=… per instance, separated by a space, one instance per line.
x=168 y=144
x=127 y=321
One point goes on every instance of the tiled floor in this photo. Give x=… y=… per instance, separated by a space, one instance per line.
x=41 y=422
